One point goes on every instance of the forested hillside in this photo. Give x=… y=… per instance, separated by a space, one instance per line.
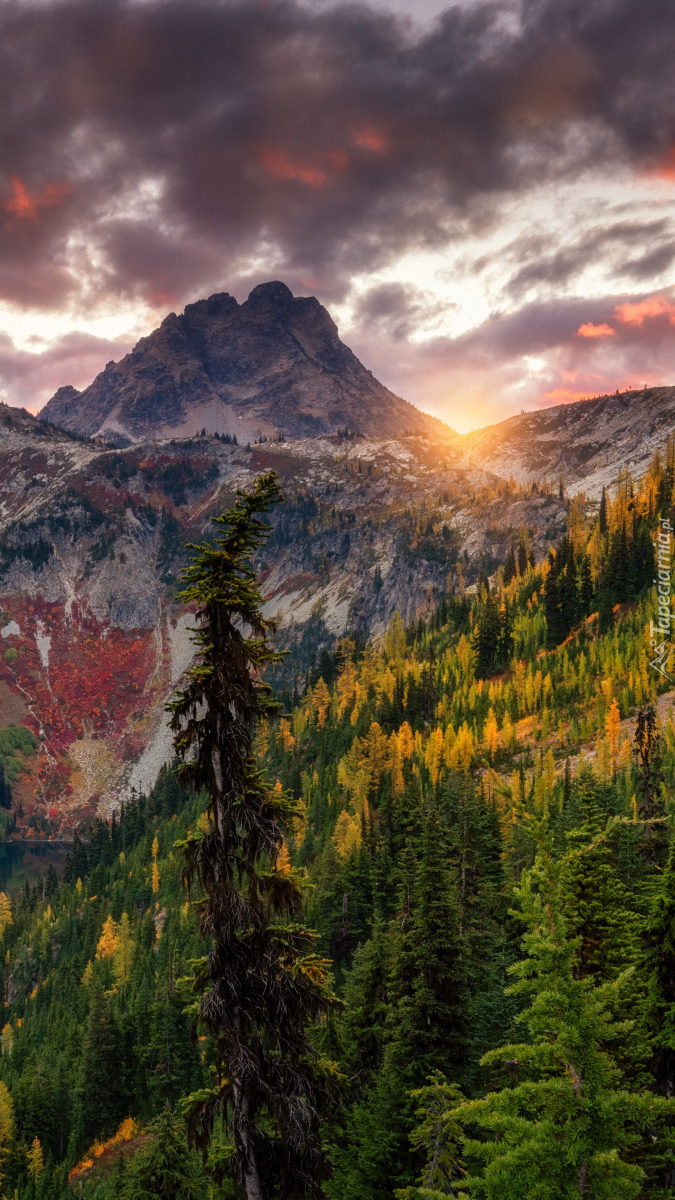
x=484 y=802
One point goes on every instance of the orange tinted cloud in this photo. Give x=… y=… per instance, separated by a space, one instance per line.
x=369 y=139
x=314 y=173
x=665 y=169
x=589 y=330
x=635 y=313
x=564 y=396
x=25 y=206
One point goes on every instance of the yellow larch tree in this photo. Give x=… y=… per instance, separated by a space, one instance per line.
x=321 y=702
x=491 y=734
x=107 y=943
x=5 y=912
x=613 y=727
x=36 y=1161
x=433 y=753
x=283 y=863
x=406 y=741
x=376 y=749
x=347 y=835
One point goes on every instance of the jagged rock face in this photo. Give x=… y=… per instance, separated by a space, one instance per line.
x=272 y=365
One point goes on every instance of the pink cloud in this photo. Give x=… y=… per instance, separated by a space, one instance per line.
x=589 y=330
x=636 y=312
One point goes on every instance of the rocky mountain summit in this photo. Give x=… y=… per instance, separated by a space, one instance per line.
x=271 y=366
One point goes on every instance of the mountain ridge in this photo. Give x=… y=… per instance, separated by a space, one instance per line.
x=585 y=444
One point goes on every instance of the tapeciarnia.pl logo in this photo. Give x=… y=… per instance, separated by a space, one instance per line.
x=660 y=644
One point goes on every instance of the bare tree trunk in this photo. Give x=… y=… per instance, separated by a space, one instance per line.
x=252 y=1185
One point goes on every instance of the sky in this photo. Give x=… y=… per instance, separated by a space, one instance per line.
x=482 y=195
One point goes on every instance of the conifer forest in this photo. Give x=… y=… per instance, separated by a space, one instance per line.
x=403 y=930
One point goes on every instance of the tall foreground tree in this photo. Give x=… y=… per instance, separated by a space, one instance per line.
x=263 y=981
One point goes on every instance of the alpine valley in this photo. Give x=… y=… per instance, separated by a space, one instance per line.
x=453 y=975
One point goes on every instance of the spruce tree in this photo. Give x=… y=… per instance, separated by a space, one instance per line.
x=597 y=910
x=648 y=754
x=565 y=1128
x=163 y=1169
x=263 y=982
x=659 y=972
x=554 y=632
x=427 y=1024
x=101 y=1093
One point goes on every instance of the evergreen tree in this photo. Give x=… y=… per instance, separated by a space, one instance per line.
x=659 y=972
x=649 y=753
x=263 y=981
x=101 y=1092
x=595 y=900
x=602 y=513
x=554 y=633
x=586 y=588
x=5 y=790
x=427 y=1025
x=510 y=566
x=487 y=638
x=164 y=1169
x=522 y=558
x=568 y=1129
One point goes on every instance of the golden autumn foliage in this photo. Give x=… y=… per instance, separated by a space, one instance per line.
x=320 y=702
x=283 y=863
x=107 y=943
x=126 y=1132
x=5 y=913
x=347 y=835
x=35 y=1160
x=613 y=727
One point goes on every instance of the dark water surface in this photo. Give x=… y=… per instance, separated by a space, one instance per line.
x=21 y=861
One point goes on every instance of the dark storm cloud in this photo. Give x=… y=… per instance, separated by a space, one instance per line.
x=336 y=138
x=610 y=244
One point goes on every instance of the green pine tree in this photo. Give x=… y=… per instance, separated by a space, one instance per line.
x=164 y=1169
x=565 y=1128
x=263 y=982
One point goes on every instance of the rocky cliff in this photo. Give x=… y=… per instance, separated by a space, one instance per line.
x=271 y=366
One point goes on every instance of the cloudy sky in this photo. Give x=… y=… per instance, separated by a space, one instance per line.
x=483 y=195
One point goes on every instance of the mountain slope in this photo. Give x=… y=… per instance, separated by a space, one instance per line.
x=91 y=546
x=272 y=365
x=585 y=444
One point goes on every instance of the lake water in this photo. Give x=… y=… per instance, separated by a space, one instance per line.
x=21 y=860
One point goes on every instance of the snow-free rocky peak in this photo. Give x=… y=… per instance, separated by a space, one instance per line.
x=272 y=365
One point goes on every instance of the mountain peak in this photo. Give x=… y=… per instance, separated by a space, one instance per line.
x=269 y=297
x=272 y=365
